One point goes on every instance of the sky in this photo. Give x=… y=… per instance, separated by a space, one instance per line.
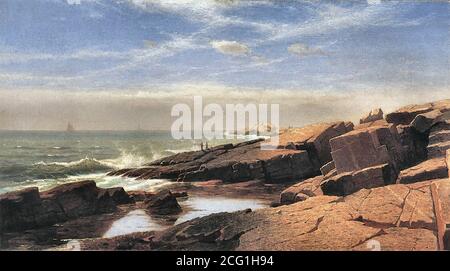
x=119 y=64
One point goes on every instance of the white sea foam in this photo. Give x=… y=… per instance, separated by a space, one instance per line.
x=125 y=160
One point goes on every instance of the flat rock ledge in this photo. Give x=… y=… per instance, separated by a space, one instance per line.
x=300 y=154
x=395 y=217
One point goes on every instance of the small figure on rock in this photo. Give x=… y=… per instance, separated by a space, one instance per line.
x=374 y=115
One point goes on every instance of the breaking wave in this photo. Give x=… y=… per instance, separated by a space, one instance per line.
x=89 y=165
x=85 y=165
x=50 y=170
x=125 y=160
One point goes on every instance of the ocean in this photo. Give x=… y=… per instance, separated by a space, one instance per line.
x=46 y=158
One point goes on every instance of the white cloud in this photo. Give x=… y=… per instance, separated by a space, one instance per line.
x=131 y=59
x=79 y=2
x=73 y=2
x=197 y=9
x=303 y=50
x=327 y=18
x=7 y=57
x=210 y=12
x=231 y=47
x=331 y=18
x=178 y=4
x=373 y=2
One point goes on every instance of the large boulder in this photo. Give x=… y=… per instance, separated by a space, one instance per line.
x=119 y=195
x=80 y=199
x=431 y=123
x=314 y=139
x=18 y=209
x=407 y=114
x=375 y=152
x=365 y=148
x=424 y=122
x=350 y=182
x=374 y=115
x=28 y=209
x=162 y=203
x=428 y=170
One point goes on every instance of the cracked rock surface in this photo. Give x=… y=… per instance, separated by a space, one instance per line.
x=394 y=217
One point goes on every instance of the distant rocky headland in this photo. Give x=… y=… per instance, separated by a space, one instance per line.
x=382 y=184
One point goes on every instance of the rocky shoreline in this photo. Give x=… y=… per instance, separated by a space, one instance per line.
x=383 y=183
x=30 y=220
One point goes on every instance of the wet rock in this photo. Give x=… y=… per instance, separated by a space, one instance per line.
x=428 y=170
x=18 y=209
x=276 y=203
x=119 y=195
x=210 y=183
x=162 y=203
x=139 y=196
x=80 y=199
x=301 y=191
x=181 y=194
x=374 y=115
x=28 y=209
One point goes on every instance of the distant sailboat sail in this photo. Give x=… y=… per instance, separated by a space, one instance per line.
x=70 y=127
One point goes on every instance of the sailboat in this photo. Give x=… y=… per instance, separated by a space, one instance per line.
x=70 y=127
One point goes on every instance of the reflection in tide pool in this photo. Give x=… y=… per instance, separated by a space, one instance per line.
x=206 y=206
x=134 y=221
x=140 y=221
